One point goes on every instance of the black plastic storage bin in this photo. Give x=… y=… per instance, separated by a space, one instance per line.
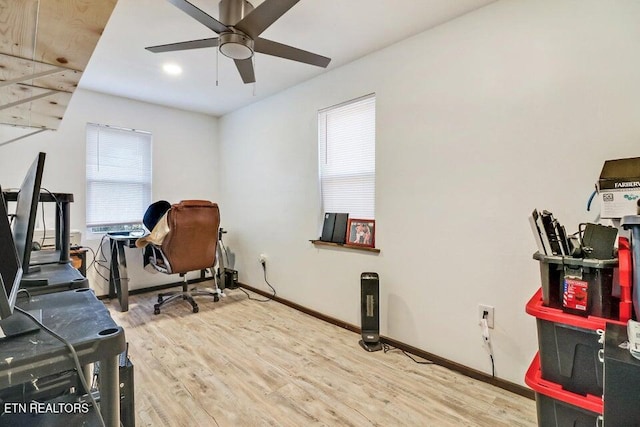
x=559 y=408
x=621 y=379
x=594 y=276
x=568 y=347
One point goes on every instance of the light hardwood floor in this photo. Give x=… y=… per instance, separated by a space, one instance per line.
x=244 y=363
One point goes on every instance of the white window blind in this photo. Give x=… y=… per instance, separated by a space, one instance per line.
x=118 y=176
x=347 y=155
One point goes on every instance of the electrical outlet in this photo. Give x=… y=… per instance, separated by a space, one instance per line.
x=262 y=259
x=488 y=311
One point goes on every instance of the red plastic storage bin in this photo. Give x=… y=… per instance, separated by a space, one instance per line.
x=557 y=407
x=625 y=270
x=568 y=347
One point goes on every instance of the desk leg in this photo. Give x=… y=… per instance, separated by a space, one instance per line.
x=118 y=279
x=114 y=272
x=63 y=233
x=110 y=392
x=123 y=288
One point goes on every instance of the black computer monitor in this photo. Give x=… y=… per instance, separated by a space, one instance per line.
x=10 y=275
x=24 y=221
x=10 y=271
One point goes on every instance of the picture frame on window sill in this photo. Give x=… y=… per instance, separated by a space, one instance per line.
x=361 y=232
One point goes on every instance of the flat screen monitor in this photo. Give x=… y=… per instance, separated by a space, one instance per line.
x=10 y=271
x=24 y=221
x=11 y=324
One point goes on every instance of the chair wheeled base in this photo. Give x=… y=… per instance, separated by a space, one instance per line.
x=186 y=295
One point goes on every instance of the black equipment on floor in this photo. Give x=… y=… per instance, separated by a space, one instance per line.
x=230 y=279
x=370 y=311
x=127 y=402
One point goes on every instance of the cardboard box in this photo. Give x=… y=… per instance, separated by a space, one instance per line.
x=619 y=187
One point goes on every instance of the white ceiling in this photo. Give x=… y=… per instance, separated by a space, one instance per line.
x=343 y=30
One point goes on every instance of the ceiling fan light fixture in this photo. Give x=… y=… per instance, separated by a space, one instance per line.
x=172 y=69
x=236 y=46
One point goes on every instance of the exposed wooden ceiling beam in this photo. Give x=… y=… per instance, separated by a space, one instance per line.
x=37 y=38
x=29 y=99
x=31 y=76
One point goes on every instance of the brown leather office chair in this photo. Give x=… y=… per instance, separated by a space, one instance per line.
x=190 y=245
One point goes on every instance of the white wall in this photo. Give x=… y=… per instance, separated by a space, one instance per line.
x=512 y=107
x=185 y=161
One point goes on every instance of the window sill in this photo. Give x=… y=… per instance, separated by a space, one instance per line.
x=345 y=246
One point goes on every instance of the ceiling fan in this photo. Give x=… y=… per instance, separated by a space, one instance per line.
x=239 y=29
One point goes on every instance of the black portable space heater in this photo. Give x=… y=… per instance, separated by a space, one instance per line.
x=370 y=311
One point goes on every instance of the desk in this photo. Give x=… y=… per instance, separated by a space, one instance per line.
x=85 y=322
x=63 y=226
x=118 y=278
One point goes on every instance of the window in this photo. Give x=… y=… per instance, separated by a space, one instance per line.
x=347 y=156
x=118 y=177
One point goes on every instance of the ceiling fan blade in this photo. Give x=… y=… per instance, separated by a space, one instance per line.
x=193 y=44
x=288 y=52
x=245 y=68
x=200 y=16
x=260 y=18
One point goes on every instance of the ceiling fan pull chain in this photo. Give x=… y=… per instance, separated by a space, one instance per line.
x=254 y=82
x=217 y=53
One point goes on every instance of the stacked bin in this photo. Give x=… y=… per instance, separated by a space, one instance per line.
x=567 y=372
x=558 y=407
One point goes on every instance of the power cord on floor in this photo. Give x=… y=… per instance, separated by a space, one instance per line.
x=387 y=348
x=264 y=269
x=74 y=355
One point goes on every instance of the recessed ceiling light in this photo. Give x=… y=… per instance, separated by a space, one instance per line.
x=172 y=69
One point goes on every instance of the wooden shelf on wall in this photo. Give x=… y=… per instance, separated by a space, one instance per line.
x=345 y=246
